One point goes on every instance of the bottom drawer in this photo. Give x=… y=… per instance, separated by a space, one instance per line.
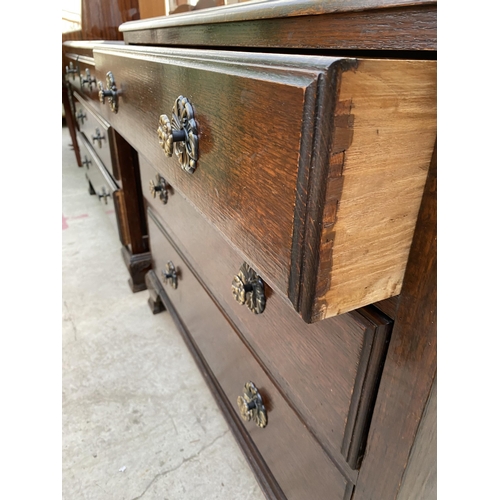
x=301 y=468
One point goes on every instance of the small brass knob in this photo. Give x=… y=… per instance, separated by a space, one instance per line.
x=170 y=275
x=81 y=116
x=159 y=186
x=180 y=134
x=251 y=405
x=88 y=80
x=71 y=70
x=98 y=137
x=104 y=195
x=110 y=92
x=86 y=162
x=248 y=289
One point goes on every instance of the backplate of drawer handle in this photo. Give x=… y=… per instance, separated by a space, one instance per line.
x=180 y=135
x=251 y=405
x=248 y=289
x=111 y=92
x=170 y=275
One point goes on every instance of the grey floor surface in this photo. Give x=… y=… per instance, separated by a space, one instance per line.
x=138 y=419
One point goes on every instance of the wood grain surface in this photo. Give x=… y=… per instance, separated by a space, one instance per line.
x=328 y=371
x=263 y=184
x=386 y=116
x=293 y=455
x=272 y=9
x=398 y=29
x=257 y=116
x=90 y=125
x=410 y=367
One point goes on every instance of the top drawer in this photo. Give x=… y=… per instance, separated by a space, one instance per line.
x=312 y=167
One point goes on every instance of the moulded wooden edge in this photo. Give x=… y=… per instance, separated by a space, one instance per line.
x=253 y=11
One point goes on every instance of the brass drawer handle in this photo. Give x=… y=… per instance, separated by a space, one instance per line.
x=159 y=186
x=248 y=288
x=81 y=116
x=170 y=276
x=71 y=70
x=98 y=137
x=104 y=195
x=87 y=162
x=89 y=80
x=181 y=135
x=251 y=405
x=111 y=92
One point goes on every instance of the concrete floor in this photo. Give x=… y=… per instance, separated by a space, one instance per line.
x=138 y=419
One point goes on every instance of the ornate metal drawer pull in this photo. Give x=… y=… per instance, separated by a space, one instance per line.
x=248 y=288
x=86 y=162
x=104 y=195
x=171 y=275
x=181 y=135
x=111 y=92
x=81 y=116
x=159 y=186
x=71 y=70
x=251 y=405
x=98 y=137
x=90 y=80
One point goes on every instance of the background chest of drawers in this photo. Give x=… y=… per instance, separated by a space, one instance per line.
x=289 y=194
x=110 y=163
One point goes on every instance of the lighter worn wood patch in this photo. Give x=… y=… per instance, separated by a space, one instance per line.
x=371 y=211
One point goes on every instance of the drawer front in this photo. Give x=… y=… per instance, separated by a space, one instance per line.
x=294 y=457
x=314 y=167
x=328 y=370
x=256 y=116
x=97 y=131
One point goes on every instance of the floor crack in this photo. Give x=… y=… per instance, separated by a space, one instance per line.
x=184 y=460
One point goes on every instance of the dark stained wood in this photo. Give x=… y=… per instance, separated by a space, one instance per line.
x=100 y=20
x=70 y=120
x=89 y=125
x=96 y=172
x=126 y=158
x=388 y=306
x=154 y=299
x=410 y=28
x=420 y=479
x=329 y=371
x=245 y=176
x=137 y=265
x=271 y=10
x=121 y=217
x=261 y=177
x=293 y=455
x=410 y=366
x=259 y=467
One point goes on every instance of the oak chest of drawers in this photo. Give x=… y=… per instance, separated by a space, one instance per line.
x=288 y=186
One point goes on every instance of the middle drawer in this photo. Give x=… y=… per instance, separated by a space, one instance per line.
x=328 y=370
